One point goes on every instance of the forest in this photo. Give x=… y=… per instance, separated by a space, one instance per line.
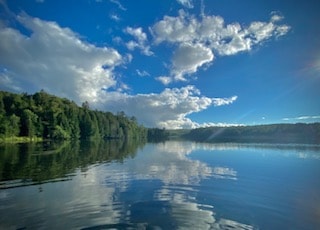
x=43 y=116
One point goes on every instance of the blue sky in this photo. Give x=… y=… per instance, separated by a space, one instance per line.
x=172 y=64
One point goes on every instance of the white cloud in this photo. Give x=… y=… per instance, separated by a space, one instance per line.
x=131 y=45
x=115 y=17
x=7 y=81
x=142 y=73
x=210 y=35
x=120 y=6
x=225 y=173
x=311 y=118
x=164 y=79
x=141 y=42
x=117 y=40
x=175 y=29
x=186 y=3
x=224 y=101
x=261 y=31
x=137 y=33
x=167 y=109
x=56 y=60
x=220 y=124
x=188 y=58
x=276 y=17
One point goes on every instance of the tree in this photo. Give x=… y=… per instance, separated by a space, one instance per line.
x=14 y=126
x=28 y=123
x=156 y=135
x=60 y=134
x=85 y=105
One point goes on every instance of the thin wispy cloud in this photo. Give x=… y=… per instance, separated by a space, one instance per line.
x=120 y=6
x=302 y=118
x=142 y=73
x=186 y=3
x=115 y=17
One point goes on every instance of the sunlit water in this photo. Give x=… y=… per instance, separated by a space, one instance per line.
x=172 y=185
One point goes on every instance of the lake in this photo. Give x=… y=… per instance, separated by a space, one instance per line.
x=170 y=185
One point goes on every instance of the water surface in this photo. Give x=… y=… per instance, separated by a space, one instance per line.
x=171 y=185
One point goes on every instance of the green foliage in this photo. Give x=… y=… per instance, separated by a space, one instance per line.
x=157 y=135
x=28 y=123
x=49 y=117
x=30 y=163
x=60 y=134
x=14 y=125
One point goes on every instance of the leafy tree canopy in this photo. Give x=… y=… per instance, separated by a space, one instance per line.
x=50 y=117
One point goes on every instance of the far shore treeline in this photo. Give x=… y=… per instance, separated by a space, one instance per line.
x=42 y=116
x=273 y=133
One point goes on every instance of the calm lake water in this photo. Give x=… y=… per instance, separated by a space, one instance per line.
x=171 y=185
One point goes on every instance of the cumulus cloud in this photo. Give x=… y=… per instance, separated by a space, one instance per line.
x=56 y=60
x=188 y=58
x=141 y=40
x=210 y=35
x=168 y=109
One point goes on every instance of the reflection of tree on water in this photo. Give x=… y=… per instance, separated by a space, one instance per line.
x=30 y=163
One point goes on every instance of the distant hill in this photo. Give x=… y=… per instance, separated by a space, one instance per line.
x=274 y=133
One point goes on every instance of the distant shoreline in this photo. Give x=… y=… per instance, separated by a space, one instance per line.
x=274 y=133
x=299 y=133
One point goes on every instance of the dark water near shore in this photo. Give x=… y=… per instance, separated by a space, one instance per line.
x=171 y=185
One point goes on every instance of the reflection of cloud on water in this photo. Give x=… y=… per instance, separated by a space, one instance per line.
x=175 y=147
x=158 y=189
x=185 y=211
x=167 y=162
x=307 y=155
x=97 y=196
x=70 y=204
x=168 y=167
x=224 y=173
x=188 y=214
x=230 y=224
x=176 y=198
